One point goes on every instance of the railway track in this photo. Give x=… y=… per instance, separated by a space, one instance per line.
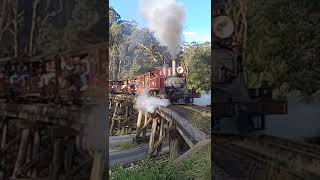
x=199 y=116
x=267 y=157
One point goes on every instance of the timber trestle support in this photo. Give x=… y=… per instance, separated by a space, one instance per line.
x=161 y=130
x=46 y=142
x=122 y=114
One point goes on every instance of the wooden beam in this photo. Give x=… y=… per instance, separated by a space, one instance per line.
x=36 y=150
x=157 y=145
x=97 y=171
x=174 y=143
x=22 y=152
x=145 y=122
x=144 y=126
x=114 y=115
x=161 y=135
x=56 y=160
x=139 y=122
x=152 y=136
x=189 y=133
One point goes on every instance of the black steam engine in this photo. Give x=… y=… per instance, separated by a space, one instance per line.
x=237 y=109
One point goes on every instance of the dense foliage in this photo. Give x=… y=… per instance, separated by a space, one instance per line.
x=30 y=28
x=283 y=45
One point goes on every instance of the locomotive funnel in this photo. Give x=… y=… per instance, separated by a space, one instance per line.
x=173 y=67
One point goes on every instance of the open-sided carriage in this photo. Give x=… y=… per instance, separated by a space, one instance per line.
x=68 y=75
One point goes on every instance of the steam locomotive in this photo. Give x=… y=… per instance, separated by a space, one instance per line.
x=237 y=109
x=65 y=76
x=164 y=82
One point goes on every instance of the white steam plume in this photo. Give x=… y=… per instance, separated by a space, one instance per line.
x=149 y=104
x=165 y=18
x=204 y=100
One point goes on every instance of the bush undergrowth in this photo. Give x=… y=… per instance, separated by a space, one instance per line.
x=196 y=167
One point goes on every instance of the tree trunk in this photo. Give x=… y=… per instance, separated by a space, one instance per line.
x=2 y=16
x=34 y=15
x=15 y=26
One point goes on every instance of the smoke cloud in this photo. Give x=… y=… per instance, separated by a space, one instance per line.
x=165 y=18
x=204 y=100
x=149 y=104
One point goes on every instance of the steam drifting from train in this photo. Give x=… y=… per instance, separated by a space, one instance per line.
x=204 y=100
x=165 y=18
x=149 y=103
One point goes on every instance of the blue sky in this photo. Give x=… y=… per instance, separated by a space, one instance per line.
x=197 y=25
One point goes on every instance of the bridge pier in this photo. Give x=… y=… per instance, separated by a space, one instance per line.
x=45 y=141
x=157 y=136
x=121 y=114
x=175 y=140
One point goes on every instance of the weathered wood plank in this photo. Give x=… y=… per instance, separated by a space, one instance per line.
x=174 y=143
x=152 y=136
x=22 y=152
x=139 y=122
x=191 y=134
x=97 y=171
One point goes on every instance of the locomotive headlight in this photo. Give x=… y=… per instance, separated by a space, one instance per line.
x=180 y=70
x=223 y=27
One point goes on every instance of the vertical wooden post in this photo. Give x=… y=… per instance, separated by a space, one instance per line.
x=119 y=119
x=29 y=154
x=36 y=148
x=174 y=143
x=110 y=103
x=145 y=122
x=22 y=151
x=4 y=134
x=97 y=169
x=114 y=115
x=161 y=133
x=139 y=122
x=68 y=158
x=56 y=160
x=2 y=144
x=152 y=136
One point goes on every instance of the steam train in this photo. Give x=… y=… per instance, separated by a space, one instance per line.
x=237 y=109
x=66 y=76
x=164 y=82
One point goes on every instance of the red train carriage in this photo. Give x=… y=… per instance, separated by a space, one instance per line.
x=76 y=74
x=162 y=82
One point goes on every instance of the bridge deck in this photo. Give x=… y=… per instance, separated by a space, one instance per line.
x=191 y=134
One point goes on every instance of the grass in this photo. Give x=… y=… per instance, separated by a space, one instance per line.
x=201 y=122
x=196 y=167
x=130 y=145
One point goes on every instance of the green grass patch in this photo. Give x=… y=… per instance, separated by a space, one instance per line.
x=196 y=167
x=201 y=122
x=130 y=145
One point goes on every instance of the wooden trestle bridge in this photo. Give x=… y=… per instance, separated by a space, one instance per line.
x=166 y=123
x=43 y=141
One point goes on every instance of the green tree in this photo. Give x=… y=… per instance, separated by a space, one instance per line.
x=283 y=46
x=197 y=62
